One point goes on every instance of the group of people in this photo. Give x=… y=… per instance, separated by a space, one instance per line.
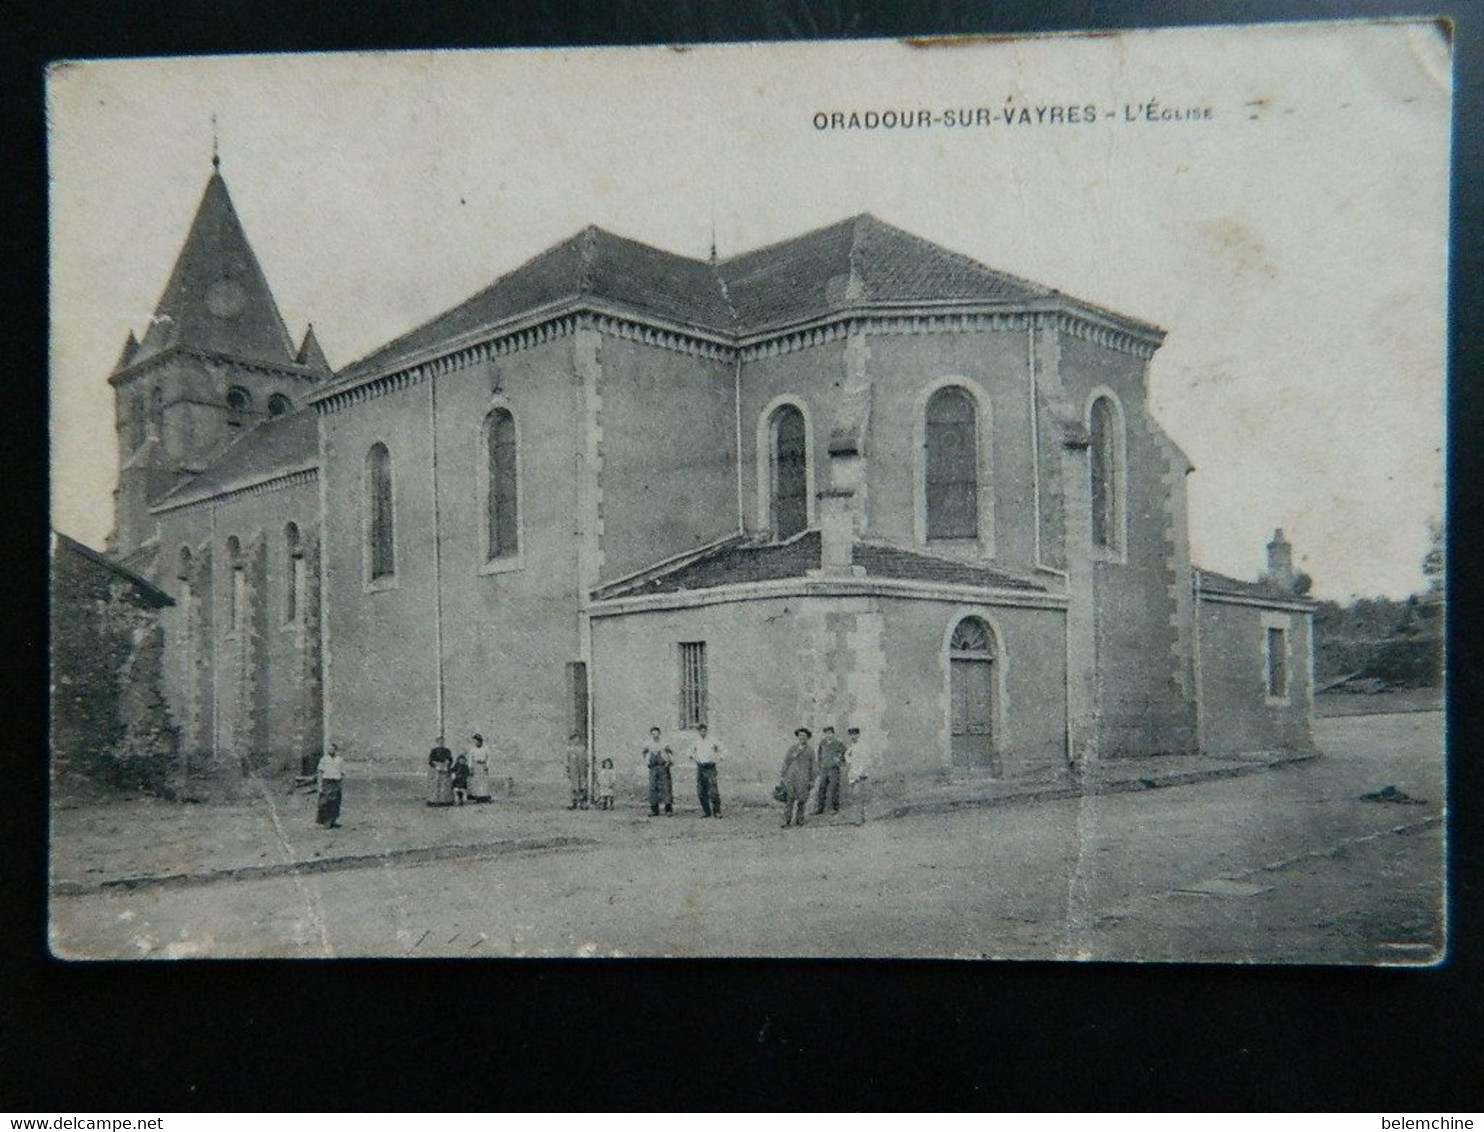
x=454 y=780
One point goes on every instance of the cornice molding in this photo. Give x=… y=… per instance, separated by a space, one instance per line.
x=278 y=481
x=536 y=328
x=231 y=361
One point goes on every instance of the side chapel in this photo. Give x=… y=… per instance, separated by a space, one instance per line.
x=852 y=477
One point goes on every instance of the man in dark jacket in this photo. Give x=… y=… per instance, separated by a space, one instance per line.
x=831 y=767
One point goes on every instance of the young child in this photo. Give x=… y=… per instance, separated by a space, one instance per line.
x=460 y=779
x=607 y=779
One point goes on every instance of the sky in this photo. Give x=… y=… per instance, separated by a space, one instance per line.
x=1290 y=234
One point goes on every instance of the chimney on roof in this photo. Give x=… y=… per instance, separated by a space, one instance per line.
x=1280 y=561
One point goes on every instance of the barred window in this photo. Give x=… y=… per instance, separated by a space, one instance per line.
x=952 y=465
x=380 y=535
x=692 y=683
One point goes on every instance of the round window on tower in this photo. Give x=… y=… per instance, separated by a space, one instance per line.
x=226 y=298
x=278 y=405
x=239 y=400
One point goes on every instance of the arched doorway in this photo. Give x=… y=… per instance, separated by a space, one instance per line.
x=972 y=679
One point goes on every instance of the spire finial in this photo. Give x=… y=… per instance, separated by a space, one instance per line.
x=216 y=157
x=713 y=233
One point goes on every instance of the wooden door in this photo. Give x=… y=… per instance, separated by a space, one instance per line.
x=972 y=693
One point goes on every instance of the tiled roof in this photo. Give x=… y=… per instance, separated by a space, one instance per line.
x=741 y=563
x=1213 y=583
x=151 y=593
x=279 y=444
x=593 y=264
x=217 y=298
x=856 y=262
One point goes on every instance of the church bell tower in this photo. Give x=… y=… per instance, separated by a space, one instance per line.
x=215 y=361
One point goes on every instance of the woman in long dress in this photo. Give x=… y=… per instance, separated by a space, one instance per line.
x=479 y=770
x=440 y=775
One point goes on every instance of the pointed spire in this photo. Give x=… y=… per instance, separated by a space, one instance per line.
x=216 y=156
x=713 y=235
x=217 y=298
x=126 y=356
x=310 y=354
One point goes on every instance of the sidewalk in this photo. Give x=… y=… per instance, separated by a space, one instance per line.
x=270 y=831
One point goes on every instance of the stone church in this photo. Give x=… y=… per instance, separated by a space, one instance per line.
x=851 y=478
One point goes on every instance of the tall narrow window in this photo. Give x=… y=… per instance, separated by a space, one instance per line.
x=790 y=471
x=692 y=683
x=502 y=518
x=952 y=465
x=1277 y=658
x=293 y=575
x=236 y=584
x=1105 y=452
x=156 y=412
x=380 y=534
x=137 y=414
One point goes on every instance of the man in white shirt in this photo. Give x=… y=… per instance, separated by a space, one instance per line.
x=858 y=762
x=706 y=751
x=331 y=776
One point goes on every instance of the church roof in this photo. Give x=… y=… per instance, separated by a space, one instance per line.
x=217 y=298
x=276 y=446
x=857 y=262
x=739 y=563
x=592 y=264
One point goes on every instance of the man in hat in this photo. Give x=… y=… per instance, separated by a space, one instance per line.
x=797 y=776
x=657 y=759
x=831 y=766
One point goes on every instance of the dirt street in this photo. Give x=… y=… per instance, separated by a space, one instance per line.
x=1284 y=866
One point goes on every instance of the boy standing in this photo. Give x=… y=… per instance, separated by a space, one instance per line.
x=831 y=765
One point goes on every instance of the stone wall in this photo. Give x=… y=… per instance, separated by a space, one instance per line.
x=109 y=723
x=1237 y=714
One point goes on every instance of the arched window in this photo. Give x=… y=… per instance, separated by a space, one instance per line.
x=278 y=405
x=183 y=571
x=973 y=686
x=156 y=411
x=502 y=481
x=293 y=577
x=790 y=502
x=380 y=534
x=1105 y=429
x=239 y=400
x=951 y=471
x=237 y=583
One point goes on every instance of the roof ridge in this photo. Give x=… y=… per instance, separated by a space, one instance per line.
x=963 y=257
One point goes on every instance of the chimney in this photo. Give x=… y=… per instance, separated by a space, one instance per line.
x=837 y=508
x=1280 y=561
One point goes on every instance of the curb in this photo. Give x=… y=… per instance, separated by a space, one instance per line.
x=324 y=865
x=1113 y=786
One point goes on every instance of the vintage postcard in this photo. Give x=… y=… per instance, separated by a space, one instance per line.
x=948 y=498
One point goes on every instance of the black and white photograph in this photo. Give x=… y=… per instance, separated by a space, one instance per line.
x=965 y=499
